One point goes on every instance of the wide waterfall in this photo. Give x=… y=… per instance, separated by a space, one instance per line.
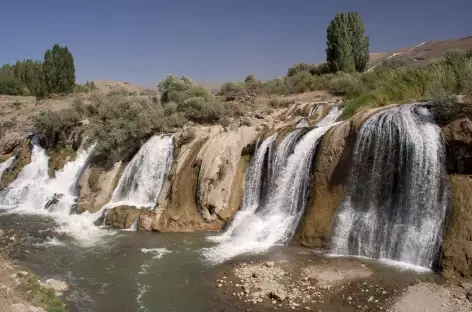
x=144 y=176
x=34 y=192
x=4 y=166
x=396 y=199
x=261 y=224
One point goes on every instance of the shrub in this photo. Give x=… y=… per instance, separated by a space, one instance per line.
x=198 y=110
x=174 y=89
x=275 y=86
x=51 y=123
x=121 y=121
x=302 y=82
x=280 y=102
x=11 y=86
x=231 y=91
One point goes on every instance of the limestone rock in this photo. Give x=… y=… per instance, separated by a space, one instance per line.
x=22 y=159
x=122 y=217
x=218 y=159
x=9 y=141
x=96 y=187
x=55 y=284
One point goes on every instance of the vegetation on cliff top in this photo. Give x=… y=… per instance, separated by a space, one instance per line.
x=28 y=77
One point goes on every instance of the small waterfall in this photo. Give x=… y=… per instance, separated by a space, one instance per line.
x=253 y=186
x=144 y=176
x=396 y=198
x=4 y=166
x=260 y=225
x=34 y=192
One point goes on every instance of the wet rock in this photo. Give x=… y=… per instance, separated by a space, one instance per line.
x=50 y=205
x=57 y=285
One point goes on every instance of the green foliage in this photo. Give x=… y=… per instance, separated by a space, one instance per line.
x=359 y=41
x=438 y=80
x=231 y=91
x=55 y=75
x=302 y=82
x=347 y=46
x=276 y=86
x=59 y=70
x=174 y=89
x=122 y=120
x=198 y=110
x=52 y=123
x=84 y=88
x=9 y=85
x=39 y=295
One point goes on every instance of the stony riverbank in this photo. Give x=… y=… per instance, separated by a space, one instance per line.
x=312 y=283
x=20 y=289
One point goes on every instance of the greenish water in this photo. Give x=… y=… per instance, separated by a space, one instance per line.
x=128 y=271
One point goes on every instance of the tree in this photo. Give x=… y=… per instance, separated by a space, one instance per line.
x=347 y=46
x=359 y=41
x=59 y=70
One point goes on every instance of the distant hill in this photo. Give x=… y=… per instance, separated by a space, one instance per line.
x=421 y=54
x=106 y=86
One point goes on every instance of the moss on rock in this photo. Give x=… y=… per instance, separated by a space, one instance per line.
x=23 y=158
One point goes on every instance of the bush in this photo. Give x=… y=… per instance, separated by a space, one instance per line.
x=276 y=86
x=231 y=91
x=51 y=123
x=174 y=89
x=11 y=86
x=302 y=82
x=198 y=110
x=121 y=121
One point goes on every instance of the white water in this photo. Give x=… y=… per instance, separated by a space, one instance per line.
x=395 y=203
x=257 y=228
x=143 y=178
x=33 y=192
x=6 y=165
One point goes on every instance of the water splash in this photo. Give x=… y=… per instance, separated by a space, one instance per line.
x=144 y=176
x=262 y=225
x=33 y=192
x=396 y=199
x=4 y=166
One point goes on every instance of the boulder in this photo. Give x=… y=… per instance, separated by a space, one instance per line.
x=456 y=250
x=57 y=285
x=10 y=141
x=330 y=176
x=122 y=217
x=96 y=186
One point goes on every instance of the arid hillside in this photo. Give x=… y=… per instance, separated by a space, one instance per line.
x=421 y=54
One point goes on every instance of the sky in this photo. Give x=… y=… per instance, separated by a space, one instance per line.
x=211 y=41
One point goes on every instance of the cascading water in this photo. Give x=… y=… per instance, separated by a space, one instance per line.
x=260 y=225
x=4 y=166
x=34 y=192
x=144 y=176
x=396 y=199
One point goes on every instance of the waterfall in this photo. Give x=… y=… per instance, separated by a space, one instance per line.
x=34 y=192
x=396 y=199
x=262 y=224
x=143 y=178
x=4 y=166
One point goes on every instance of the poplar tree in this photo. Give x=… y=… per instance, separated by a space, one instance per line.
x=347 y=46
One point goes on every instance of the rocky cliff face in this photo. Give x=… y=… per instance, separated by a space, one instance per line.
x=96 y=186
x=456 y=250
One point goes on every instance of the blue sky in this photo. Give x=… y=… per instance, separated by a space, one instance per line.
x=141 y=41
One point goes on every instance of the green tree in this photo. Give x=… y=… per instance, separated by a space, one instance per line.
x=347 y=46
x=59 y=70
x=359 y=41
